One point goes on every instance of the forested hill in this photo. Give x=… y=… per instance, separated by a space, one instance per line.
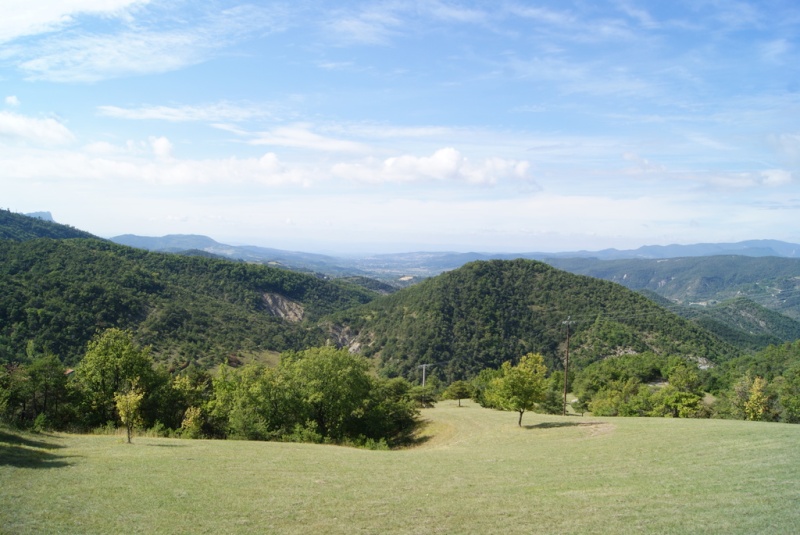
x=488 y=312
x=20 y=227
x=771 y=282
x=59 y=293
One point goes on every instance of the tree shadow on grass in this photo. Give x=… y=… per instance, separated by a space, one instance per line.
x=415 y=441
x=552 y=425
x=18 y=440
x=25 y=452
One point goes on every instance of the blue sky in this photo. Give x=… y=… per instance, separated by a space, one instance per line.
x=352 y=127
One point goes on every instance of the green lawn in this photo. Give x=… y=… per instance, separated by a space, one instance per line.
x=477 y=473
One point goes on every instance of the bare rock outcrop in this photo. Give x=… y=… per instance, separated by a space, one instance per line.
x=280 y=306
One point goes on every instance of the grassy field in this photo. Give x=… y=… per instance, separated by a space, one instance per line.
x=476 y=472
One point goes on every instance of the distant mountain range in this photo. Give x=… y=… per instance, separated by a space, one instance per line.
x=408 y=267
x=766 y=272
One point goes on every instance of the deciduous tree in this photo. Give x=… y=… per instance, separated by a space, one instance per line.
x=112 y=364
x=128 y=405
x=458 y=390
x=522 y=386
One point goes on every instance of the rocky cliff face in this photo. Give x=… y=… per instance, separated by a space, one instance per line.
x=280 y=306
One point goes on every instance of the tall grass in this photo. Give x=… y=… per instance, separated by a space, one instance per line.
x=475 y=472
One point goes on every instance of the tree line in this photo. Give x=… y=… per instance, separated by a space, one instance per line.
x=322 y=395
x=328 y=395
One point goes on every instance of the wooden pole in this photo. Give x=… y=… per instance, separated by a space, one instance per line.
x=566 y=366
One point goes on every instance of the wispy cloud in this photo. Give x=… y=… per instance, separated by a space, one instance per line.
x=446 y=164
x=150 y=162
x=23 y=18
x=775 y=51
x=452 y=12
x=376 y=25
x=93 y=58
x=216 y=112
x=139 y=48
x=301 y=136
x=48 y=131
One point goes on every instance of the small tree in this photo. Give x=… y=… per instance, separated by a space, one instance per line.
x=757 y=404
x=128 y=406
x=192 y=424
x=522 y=386
x=458 y=390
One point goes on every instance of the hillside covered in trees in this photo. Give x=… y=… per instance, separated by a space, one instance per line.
x=57 y=294
x=18 y=227
x=471 y=327
x=485 y=313
x=771 y=282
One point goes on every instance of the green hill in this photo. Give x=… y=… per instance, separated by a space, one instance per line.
x=740 y=321
x=18 y=227
x=745 y=323
x=59 y=293
x=488 y=312
x=769 y=281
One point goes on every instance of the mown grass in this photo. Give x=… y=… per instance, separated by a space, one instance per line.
x=475 y=472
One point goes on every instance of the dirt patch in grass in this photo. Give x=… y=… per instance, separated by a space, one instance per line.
x=600 y=428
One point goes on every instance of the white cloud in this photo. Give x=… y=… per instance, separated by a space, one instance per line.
x=768 y=177
x=39 y=131
x=446 y=164
x=217 y=112
x=12 y=100
x=776 y=177
x=91 y=58
x=25 y=17
x=543 y=15
x=775 y=51
x=133 y=165
x=374 y=26
x=788 y=145
x=641 y=165
x=102 y=148
x=300 y=136
x=640 y=15
x=141 y=48
x=454 y=13
x=708 y=142
x=162 y=147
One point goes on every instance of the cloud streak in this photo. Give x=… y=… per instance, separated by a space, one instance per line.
x=216 y=112
x=445 y=165
x=137 y=49
x=23 y=18
x=16 y=127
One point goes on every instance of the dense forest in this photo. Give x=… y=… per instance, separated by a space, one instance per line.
x=772 y=282
x=488 y=312
x=172 y=331
x=60 y=293
x=18 y=227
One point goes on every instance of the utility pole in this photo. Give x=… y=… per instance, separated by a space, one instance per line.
x=424 y=368
x=566 y=365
